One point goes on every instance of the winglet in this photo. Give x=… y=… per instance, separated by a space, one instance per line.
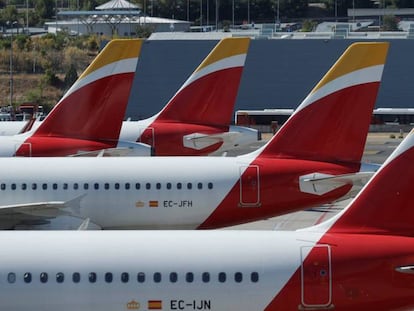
x=94 y=107
x=332 y=122
x=209 y=94
x=385 y=204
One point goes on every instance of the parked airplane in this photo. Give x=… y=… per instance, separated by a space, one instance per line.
x=196 y=119
x=90 y=114
x=194 y=122
x=313 y=159
x=360 y=260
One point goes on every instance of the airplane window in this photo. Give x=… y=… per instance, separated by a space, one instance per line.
x=254 y=277
x=106 y=186
x=157 y=277
x=75 y=186
x=179 y=186
x=200 y=185
x=65 y=186
x=210 y=185
x=85 y=186
x=222 y=277
x=148 y=186
x=76 y=277
x=189 y=277
x=27 y=277
x=173 y=277
x=141 y=277
x=44 y=186
x=238 y=277
x=3 y=186
x=137 y=186
x=54 y=186
x=60 y=277
x=108 y=277
x=158 y=185
x=34 y=186
x=206 y=277
x=11 y=277
x=96 y=186
x=24 y=186
x=189 y=185
x=116 y=186
x=13 y=186
x=92 y=277
x=43 y=277
x=127 y=186
x=124 y=277
x=169 y=185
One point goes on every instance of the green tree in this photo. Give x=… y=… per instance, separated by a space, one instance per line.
x=9 y=15
x=390 y=23
x=308 y=25
x=23 y=42
x=404 y=3
x=71 y=76
x=45 y=8
x=293 y=8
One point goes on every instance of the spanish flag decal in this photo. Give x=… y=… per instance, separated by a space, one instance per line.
x=154 y=304
x=153 y=203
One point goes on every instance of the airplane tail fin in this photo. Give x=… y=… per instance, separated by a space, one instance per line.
x=209 y=94
x=332 y=122
x=385 y=204
x=94 y=107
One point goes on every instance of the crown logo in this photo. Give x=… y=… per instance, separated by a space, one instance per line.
x=139 y=204
x=133 y=305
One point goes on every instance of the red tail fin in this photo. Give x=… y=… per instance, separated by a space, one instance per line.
x=332 y=122
x=95 y=105
x=386 y=204
x=209 y=94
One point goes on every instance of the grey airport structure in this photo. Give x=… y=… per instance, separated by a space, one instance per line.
x=277 y=74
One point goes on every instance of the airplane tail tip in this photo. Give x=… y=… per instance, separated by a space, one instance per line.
x=332 y=122
x=385 y=205
x=95 y=105
x=208 y=96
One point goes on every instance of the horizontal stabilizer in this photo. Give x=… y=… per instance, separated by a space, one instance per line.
x=123 y=150
x=320 y=184
x=200 y=141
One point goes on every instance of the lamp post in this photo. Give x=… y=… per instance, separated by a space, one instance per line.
x=248 y=11
x=353 y=10
x=278 y=15
x=217 y=14
x=336 y=11
x=232 y=12
x=11 y=24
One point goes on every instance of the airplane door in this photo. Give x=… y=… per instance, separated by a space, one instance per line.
x=316 y=277
x=148 y=137
x=249 y=186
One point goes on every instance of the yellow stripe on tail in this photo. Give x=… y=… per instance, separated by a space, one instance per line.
x=370 y=54
x=228 y=47
x=118 y=52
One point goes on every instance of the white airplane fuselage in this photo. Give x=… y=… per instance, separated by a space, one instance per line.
x=204 y=270
x=161 y=192
x=148 y=252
